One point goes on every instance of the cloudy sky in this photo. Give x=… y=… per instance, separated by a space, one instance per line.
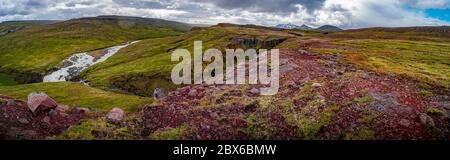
x=342 y=13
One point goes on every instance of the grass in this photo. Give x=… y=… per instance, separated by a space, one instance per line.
x=6 y=80
x=170 y=133
x=5 y=27
x=259 y=128
x=435 y=111
x=360 y=134
x=87 y=131
x=426 y=93
x=40 y=48
x=138 y=66
x=425 y=61
x=76 y=94
x=309 y=125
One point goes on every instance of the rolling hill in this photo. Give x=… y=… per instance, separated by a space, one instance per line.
x=8 y=27
x=142 y=67
x=365 y=84
x=31 y=52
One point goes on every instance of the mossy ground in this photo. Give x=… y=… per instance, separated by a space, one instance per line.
x=76 y=94
x=424 y=61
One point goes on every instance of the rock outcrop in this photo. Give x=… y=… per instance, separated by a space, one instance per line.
x=17 y=121
x=256 y=43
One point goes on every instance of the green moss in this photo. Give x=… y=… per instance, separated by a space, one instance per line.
x=426 y=93
x=435 y=111
x=364 y=99
x=311 y=122
x=265 y=102
x=70 y=93
x=434 y=131
x=306 y=91
x=96 y=129
x=170 y=133
x=259 y=128
x=82 y=131
x=370 y=118
x=361 y=134
x=424 y=86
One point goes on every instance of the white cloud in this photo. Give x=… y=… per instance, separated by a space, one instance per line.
x=441 y=4
x=343 y=13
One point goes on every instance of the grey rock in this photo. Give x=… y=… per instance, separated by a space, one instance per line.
x=53 y=113
x=405 y=122
x=316 y=85
x=23 y=120
x=193 y=93
x=254 y=91
x=426 y=120
x=159 y=93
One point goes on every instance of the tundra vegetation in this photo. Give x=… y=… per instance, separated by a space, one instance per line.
x=375 y=83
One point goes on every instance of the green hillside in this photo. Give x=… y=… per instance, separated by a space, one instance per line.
x=38 y=49
x=79 y=95
x=419 y=53
x=142 y=67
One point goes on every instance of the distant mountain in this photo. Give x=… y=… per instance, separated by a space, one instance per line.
x=305 y=27
x=30 y=22
x=287 y=26
x=8 y=27
x=329 y=28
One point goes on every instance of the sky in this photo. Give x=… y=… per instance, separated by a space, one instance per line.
x=342 y=13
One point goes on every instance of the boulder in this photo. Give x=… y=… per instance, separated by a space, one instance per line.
x=115 y=115
x=40 y=101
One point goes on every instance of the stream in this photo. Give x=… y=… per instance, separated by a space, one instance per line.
x=79 y=62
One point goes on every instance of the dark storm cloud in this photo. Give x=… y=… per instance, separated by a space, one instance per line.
x=21 y=7
x=267 y=5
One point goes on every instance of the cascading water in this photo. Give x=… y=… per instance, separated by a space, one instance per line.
x=75 y=64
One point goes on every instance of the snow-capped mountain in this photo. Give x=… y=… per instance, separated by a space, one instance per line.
x=287 y=26
x=305 y=27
